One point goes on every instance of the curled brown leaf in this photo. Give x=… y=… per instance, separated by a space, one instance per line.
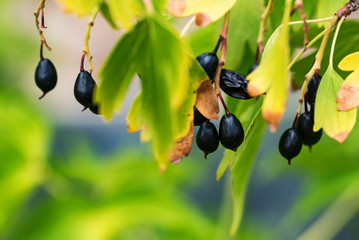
x=207 y=101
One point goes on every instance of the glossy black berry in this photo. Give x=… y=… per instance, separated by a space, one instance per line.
x=252 y=68
x=290 y=144
x=45 y=76
x=209 y=62
x=207 y=138
x=231 y=132
x=305 y=125
x=312 y=89
x=234 y=84
x=94 y=109
x=83 y=89
x=198 y=118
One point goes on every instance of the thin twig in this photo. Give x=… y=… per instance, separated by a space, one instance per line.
x=263 y=28
x=299 y=5
x=222 y=58
x=40 y=8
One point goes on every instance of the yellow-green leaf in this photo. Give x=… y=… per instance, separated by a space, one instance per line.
x=79 y=7
x=336 y=124
x=206 y=11
x=272 y=75
x=350 y=62
x=122 y=14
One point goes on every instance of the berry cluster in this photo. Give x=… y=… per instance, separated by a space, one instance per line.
x=291 y=141
x=231 y=133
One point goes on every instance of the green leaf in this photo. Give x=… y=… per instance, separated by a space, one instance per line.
x=118 y=71
x=242 y=169
x=206 y=11
x=243 y=29
x=242 y=161
x=80 y=7
x=335 y=123
x=163 y=67
x=327 y=8
x=154 y=50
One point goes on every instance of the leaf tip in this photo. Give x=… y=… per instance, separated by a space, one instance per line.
x=253 y=91
x=341 y=137
x=161 y=168
x=273 y=119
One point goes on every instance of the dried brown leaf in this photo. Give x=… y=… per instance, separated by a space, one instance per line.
x=207 y=101
x=348 y=94
x=182 y=147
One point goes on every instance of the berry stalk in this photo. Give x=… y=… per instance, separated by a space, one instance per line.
x=222 y=58
x=263 y=28
x=40 y=8
x=86 y=49
x=223 y=103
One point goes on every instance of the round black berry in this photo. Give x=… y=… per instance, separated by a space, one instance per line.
x=45 y=76
x=305 y=127
x=84 y=87
x=209 y=62
x=312 y=89
x=198 y=118
x=290 y=144
x=252 y=68
x=234 y=84
x=207 y=138
x=231 y=132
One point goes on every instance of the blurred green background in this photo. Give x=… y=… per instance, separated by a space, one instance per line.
x=67 y=175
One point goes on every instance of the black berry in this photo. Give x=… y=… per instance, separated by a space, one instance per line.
x=231 y=132
x=83 y=89
x=252 y=68
x=45 y=76
x=209 y=62
x=207 y=138
x=312 y=89
x=94 y=109
x=234 y=84
x=198 y=118
x=290 y=144
x=305 y=127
